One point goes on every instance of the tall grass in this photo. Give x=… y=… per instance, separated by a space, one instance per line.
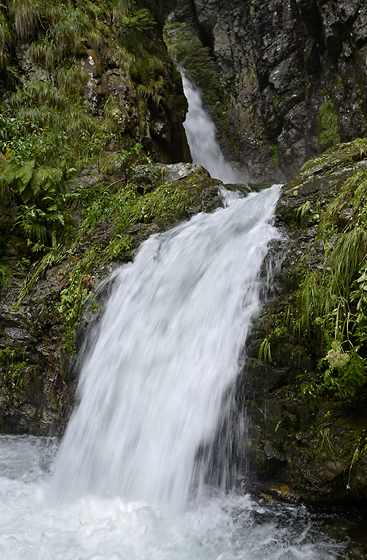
x=5 y=38
x=44 y=52
x=26 y=16
x=71 y=80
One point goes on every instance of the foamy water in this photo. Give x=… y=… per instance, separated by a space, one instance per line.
x=223 y=527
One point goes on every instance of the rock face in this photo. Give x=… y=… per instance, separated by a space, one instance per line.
x=136 y=87
x=308 y=423
x=42 y=330
x=294 y=73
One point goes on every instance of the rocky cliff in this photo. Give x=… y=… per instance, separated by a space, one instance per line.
x=90 y=102
x=292 y=73
x=305 y=379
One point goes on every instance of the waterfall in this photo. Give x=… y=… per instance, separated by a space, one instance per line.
x=154 y=401
x=200 y=133
x=167 y=350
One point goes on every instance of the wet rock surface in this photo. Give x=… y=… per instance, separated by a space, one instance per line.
x=279 y=63
x=38 y=371
x=313 y=442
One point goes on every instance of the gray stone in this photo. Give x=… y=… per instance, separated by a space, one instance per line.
x=176 y=171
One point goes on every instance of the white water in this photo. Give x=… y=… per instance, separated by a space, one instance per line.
x=200 y=132
x=168 y=348
x=91 y=528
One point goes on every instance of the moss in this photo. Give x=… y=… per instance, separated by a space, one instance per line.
x=73 y=297
x=5 y=274
x=274 y=155
x=189 y=53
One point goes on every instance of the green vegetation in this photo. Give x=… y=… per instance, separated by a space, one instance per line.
x=5 y=274
x=332 y=300
x=132 y=29
x=51 y=130
x=195 y=58
x=12 y=372
x=114 y=208
x=274 y=156
x=328 y=126
x=327 y=316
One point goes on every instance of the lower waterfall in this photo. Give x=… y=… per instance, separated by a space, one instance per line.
x=167 y=350
x=126 y=483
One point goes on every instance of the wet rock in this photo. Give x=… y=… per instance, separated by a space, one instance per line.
x=281 y=61
x=313 y=442
x=175 y=172
x=38 y=370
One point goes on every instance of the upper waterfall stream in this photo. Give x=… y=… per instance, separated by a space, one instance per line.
x=200 y=132
x=129 y=480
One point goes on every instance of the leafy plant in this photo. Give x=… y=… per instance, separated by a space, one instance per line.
x=29 y=180
x=265 y=350
x=41 y=227
x=132 y=27
x=303 y=211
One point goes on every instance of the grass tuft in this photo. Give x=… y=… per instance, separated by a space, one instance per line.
x=26 y=15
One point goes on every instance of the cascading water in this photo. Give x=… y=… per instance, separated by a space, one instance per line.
x=200 y=132
x=167 y=350
x=125 y=484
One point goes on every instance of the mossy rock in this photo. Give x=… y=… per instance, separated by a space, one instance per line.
x=313 y=434
x=43 y=321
